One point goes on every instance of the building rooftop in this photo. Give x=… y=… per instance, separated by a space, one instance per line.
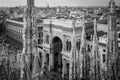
x=68 y=23
x=103 y=40
x=12 y=21
x=104 y=27
x=2 y=13
x=18 y=19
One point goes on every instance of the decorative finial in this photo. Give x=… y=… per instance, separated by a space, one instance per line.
x=84 y=23
x=95 y=27
x=112 y=6
x=73 y=23
x=112 y=2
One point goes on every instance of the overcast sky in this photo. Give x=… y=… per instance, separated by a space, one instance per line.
x=12 y=3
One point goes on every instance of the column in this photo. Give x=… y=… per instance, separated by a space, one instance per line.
x=91 y=37
x=70 y=70
x=49 y=62
x=51 y=59
x=43 y=61
x=63 y=68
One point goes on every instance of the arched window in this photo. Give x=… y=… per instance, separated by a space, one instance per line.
x=89 y=48
x=119 y=35
x=40 y=37
x=78 y=45
x=68 y=45
x=47 y=39
x=104 y=58
x=47 y=57
x=39 y=34
x=40 y=60
x=67 y=65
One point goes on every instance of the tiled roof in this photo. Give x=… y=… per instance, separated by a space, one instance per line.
x=100 y=33
x=102 y=44
x=102 y=22
x=2 y=13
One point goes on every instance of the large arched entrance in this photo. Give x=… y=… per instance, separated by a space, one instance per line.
x=57 y=49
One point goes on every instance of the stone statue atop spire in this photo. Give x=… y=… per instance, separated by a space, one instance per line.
x=112 y=6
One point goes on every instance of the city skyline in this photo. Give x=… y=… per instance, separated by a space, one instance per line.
x=39 y=3
x=75 y=40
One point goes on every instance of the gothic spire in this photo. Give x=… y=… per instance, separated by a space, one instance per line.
x=72 y=54
x=83 y=35
x=30 y=39
x=83 y=51
x=112 y=45
x=95 y=32
x=95 y=59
